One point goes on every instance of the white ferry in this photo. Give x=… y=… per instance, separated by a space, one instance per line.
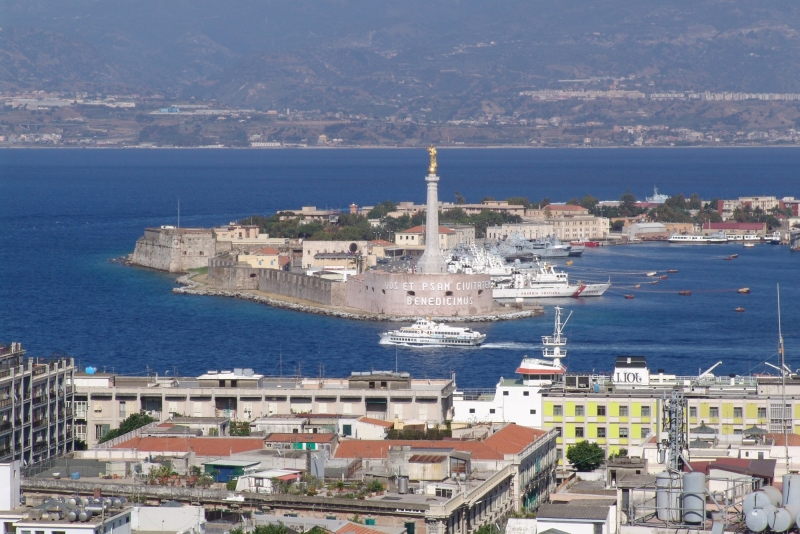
x=712 y=239
x=748 y=238
x=425 y=332
x=543 y=283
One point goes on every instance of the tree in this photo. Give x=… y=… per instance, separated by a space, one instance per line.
x=617 y=226
x=381 y=210
x=132 y=422
x=585 y=456
x=519 y=201
x=627 y=204
x=573 y=202
x=676 y=202
x=460 y=199
x=589 y=202
x=694 y=202
x=488 y=199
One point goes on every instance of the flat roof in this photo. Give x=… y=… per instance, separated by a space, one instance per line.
x=232 y=463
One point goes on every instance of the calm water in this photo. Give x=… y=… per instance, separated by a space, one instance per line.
x=63 y=213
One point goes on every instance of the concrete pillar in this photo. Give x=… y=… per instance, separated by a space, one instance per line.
x=431 y=261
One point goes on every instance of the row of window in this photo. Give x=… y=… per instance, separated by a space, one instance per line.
x=558 y=411
x=713 y=412
x=492 y=410
x=601 y=432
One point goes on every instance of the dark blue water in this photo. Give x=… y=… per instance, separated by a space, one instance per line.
x=64 y=213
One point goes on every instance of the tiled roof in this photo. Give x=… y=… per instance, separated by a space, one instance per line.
x=205 y=446
x=355 y=528
x=511 y=439
x=377 y=422
x=421 y=230
x=794 y=439
x=300 y=438
x=571 y=511
x=268 y=251
x=565 y=207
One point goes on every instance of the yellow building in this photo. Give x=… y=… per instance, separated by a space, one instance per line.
x=266 y=258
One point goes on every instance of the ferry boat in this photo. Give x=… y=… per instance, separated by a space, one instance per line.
x=425 y=332
x=711 y=239
x=542 y=283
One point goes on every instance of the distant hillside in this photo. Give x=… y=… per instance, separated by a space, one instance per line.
x=452 y=57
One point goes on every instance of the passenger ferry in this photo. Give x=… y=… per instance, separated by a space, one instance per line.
x=425 y=332
x=542 y=283
x=712 y=239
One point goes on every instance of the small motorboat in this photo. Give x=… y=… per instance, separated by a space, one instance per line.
x=749 y=245
x=685 y=293
x=570 y=262
x=744 y=290
x=651 y=273
x=729 y=258
x=672 y=271
x=637 y=286
x=740 y=310
x=734 y=256
x=629 y=296
x=654 y=282
x=663 y=277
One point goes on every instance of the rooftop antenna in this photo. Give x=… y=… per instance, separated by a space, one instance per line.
x=783 y=381
x=179 y=212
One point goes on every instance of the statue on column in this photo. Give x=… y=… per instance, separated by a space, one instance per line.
x=432 y=167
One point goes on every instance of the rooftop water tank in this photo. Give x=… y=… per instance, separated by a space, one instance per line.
x=668 y=496
x=785 y=518
x=694 y=497
x=758 y=520
x=791 y=490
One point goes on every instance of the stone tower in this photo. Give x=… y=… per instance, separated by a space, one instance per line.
x=432 y=261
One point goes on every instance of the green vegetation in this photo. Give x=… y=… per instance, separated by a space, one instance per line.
x=487 y=529
x=132 y=422
x=262 y=529
x=240 y=428
x=435 y=433
x=231 y=485
x=585 y=456
x=622 y=453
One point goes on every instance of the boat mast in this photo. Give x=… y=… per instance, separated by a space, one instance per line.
x=783 y=382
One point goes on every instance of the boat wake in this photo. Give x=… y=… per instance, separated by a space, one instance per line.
x=510 y=345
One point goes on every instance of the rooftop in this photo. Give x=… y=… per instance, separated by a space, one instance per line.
x=376 y=422
x=575 y=512
x=202 y=446
x=421 y=230
x=300 y=438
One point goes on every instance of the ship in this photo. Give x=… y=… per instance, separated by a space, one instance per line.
x=425 y=333
x=543 y=282
x=794 y=241
x=550 y=247
x=550 y=369
x=657 y=197
x=711 y=239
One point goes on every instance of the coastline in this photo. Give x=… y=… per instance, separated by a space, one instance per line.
x=193 y=287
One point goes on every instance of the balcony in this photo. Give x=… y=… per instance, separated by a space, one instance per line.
x=39 y=400
x=38 y=423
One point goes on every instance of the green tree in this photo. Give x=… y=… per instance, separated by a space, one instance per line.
x=694 y=202
x=487 y=529
x=585 y=456
x=230 y=485
x=617 y=226
x=488 y=199
x=627 y=205
x=381 y=210
x=460 y=199
x=519 y=201
x=589 y=202
x=573 y=202
x=677 y=202
x=132 y=422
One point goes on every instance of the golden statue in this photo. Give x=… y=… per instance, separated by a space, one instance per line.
x=432 y=167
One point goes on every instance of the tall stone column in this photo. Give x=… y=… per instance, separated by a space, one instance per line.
x=432 y=261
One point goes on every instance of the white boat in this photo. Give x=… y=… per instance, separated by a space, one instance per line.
x=749 y=245
x=741 y=237
x=544 y=282
x=548 y=370
x=657 y=198
x=425 y=332
x=711 y=239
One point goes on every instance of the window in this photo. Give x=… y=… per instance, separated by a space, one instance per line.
x=472 y=410
x=713 y=412
x=578 y=431
x=533 y=412
x=122 y=409
x=505 y=393
x=558 y=410
x=645 y=431
x=80 y=431
x=645 y=411
x=491 y=410
x=525 y=393
x=82 y=406
x=737 y=413
x=558 y=431
x=444 y=492
x=623 y=432
x=693 y=411
x=578 y=411
x=623 y=411
x=597 y=528
x=347 y=430
x=601 y=432
x=601 y=411
x=762 y=413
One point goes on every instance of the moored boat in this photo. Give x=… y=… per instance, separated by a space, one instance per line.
x=542 y=283
x=629 y=297
x=740 y=310
x=685 y=293
x=744 y=290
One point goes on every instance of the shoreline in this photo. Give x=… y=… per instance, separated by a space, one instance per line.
x=463 y=147
x=193 y=287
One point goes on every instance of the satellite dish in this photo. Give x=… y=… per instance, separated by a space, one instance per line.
x=353 y=248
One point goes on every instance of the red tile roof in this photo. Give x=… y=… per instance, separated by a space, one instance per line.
x=283 y=260
x=268 y=251
x=794 y=439
x=421 y=230
x=300 y=438
x=564 y=207
x=511 y=439
x=377 y=422
x=205 y=446
x=426 y=459
x=355 y=528
x=734 y=226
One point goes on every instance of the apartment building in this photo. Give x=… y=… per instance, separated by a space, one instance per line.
x=103 y=401
x=580 y=227
x=726 y=207
x=528 y=230
x=36 y=398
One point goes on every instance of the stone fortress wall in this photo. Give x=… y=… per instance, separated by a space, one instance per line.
x=176 y=249
x=230 y=275
x=435 y=295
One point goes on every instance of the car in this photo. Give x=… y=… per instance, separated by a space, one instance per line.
x=383 y=260
x=406 y=257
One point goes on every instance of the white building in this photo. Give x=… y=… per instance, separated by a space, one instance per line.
x=169 y=518
x=262 y=481
x=528 y=230
x=582 y=517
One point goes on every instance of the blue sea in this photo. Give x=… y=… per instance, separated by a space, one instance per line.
x=64 y=213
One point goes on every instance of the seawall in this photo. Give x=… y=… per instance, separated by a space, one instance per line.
x=176 y=249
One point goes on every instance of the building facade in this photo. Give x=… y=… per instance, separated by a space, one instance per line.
x=36 y=406
x=580 y=227
x=103 y=401
x=528 y=230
